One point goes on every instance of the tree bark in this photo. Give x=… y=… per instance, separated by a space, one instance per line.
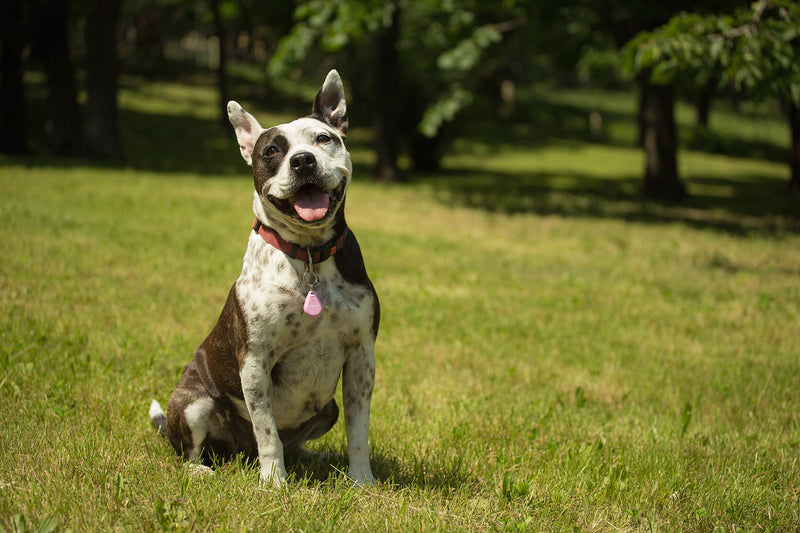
x=386 y=108
x=222 y=68
x=101 y=130
x=426 y=152
x=703 y=106
x=641 y=107
x=52 y=45
x=13 y=134
x=661 y=175
x=794 y=150
x=703 y=98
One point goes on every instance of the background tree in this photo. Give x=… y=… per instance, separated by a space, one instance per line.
x=52 y=48
x=658 y=137
x=13 y=30
x=429 y=52
x=149 y=27
x=386 y=118
x=614 y=23
x=754 y=50
x=54 y=26
x=222 y=59
x=101 y=128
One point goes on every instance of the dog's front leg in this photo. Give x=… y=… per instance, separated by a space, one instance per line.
x=358 y=378
x=257 y=391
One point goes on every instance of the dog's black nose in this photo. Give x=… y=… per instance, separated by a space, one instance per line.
x=303 y=163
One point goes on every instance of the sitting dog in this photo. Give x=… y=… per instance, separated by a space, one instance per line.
x=301 y=313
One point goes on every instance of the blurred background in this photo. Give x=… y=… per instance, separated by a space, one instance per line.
x=80 y=79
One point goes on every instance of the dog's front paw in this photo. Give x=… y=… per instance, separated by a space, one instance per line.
x=199 y=470
x=273 y=475
x=362 y=475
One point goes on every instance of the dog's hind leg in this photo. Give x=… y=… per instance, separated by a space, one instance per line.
x=311 y=429
x=197 y=417
x=196 y=423
x=159 y=420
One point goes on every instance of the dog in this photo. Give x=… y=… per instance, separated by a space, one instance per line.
x=301 y=313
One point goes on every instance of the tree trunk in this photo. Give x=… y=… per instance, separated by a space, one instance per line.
x=386 y=108
x=702 y=107
x=222 y=68
x=101 y=131
x=661 y=176
x=52 y=45
x=703 y=99
x=794 y=150
x=642 y=107
x=426 y=152
x=13 y=135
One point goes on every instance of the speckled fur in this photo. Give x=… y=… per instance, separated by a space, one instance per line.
x=264 y=379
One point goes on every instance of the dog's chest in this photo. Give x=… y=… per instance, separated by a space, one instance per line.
x=304 y=354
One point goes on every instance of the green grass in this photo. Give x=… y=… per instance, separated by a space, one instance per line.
x=555 y=353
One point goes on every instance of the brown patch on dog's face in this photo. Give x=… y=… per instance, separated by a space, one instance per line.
x=268 y=156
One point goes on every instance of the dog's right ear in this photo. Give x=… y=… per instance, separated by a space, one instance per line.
x=247 y=130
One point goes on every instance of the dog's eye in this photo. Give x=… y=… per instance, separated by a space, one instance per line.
x=323 y=138
x=271 y=151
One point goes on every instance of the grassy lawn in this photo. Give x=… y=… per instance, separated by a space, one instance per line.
x=555 y=353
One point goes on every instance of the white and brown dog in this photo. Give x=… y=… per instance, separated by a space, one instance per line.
x=302 y=312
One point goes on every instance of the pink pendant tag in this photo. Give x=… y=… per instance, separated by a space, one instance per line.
x=312 y=305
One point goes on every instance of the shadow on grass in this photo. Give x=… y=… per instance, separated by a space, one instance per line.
x=550 y=119
x=165 y=144
x=535 y=121
x=712 y=142
x=159 y=143
x=735 y=206
x=417 y=472
x=177 y=134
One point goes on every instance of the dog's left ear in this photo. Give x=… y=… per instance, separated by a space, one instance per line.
x=329 y=105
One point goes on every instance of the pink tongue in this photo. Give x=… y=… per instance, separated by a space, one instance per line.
x=311 y=203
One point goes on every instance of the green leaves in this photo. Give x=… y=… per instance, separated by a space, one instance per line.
x=444 y=109
x=331 y=24
x=442 y=45
x=467 y=53
x=755 y=50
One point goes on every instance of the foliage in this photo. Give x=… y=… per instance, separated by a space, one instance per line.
x=441 y=45
x=149 y=25
x=755 y=50
x=331 y=24
x=444 y=110
x=159 y=35
x=599 y=66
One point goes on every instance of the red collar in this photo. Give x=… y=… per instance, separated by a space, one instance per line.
x=295 y=251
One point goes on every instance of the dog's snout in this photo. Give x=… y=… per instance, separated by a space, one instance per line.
x=303 y=163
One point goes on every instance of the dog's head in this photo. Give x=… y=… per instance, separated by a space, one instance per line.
x=301 y=170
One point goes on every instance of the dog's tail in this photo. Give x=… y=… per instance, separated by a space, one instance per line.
x=158 y=418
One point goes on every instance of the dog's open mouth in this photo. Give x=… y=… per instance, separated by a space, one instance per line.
x=311 y=203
